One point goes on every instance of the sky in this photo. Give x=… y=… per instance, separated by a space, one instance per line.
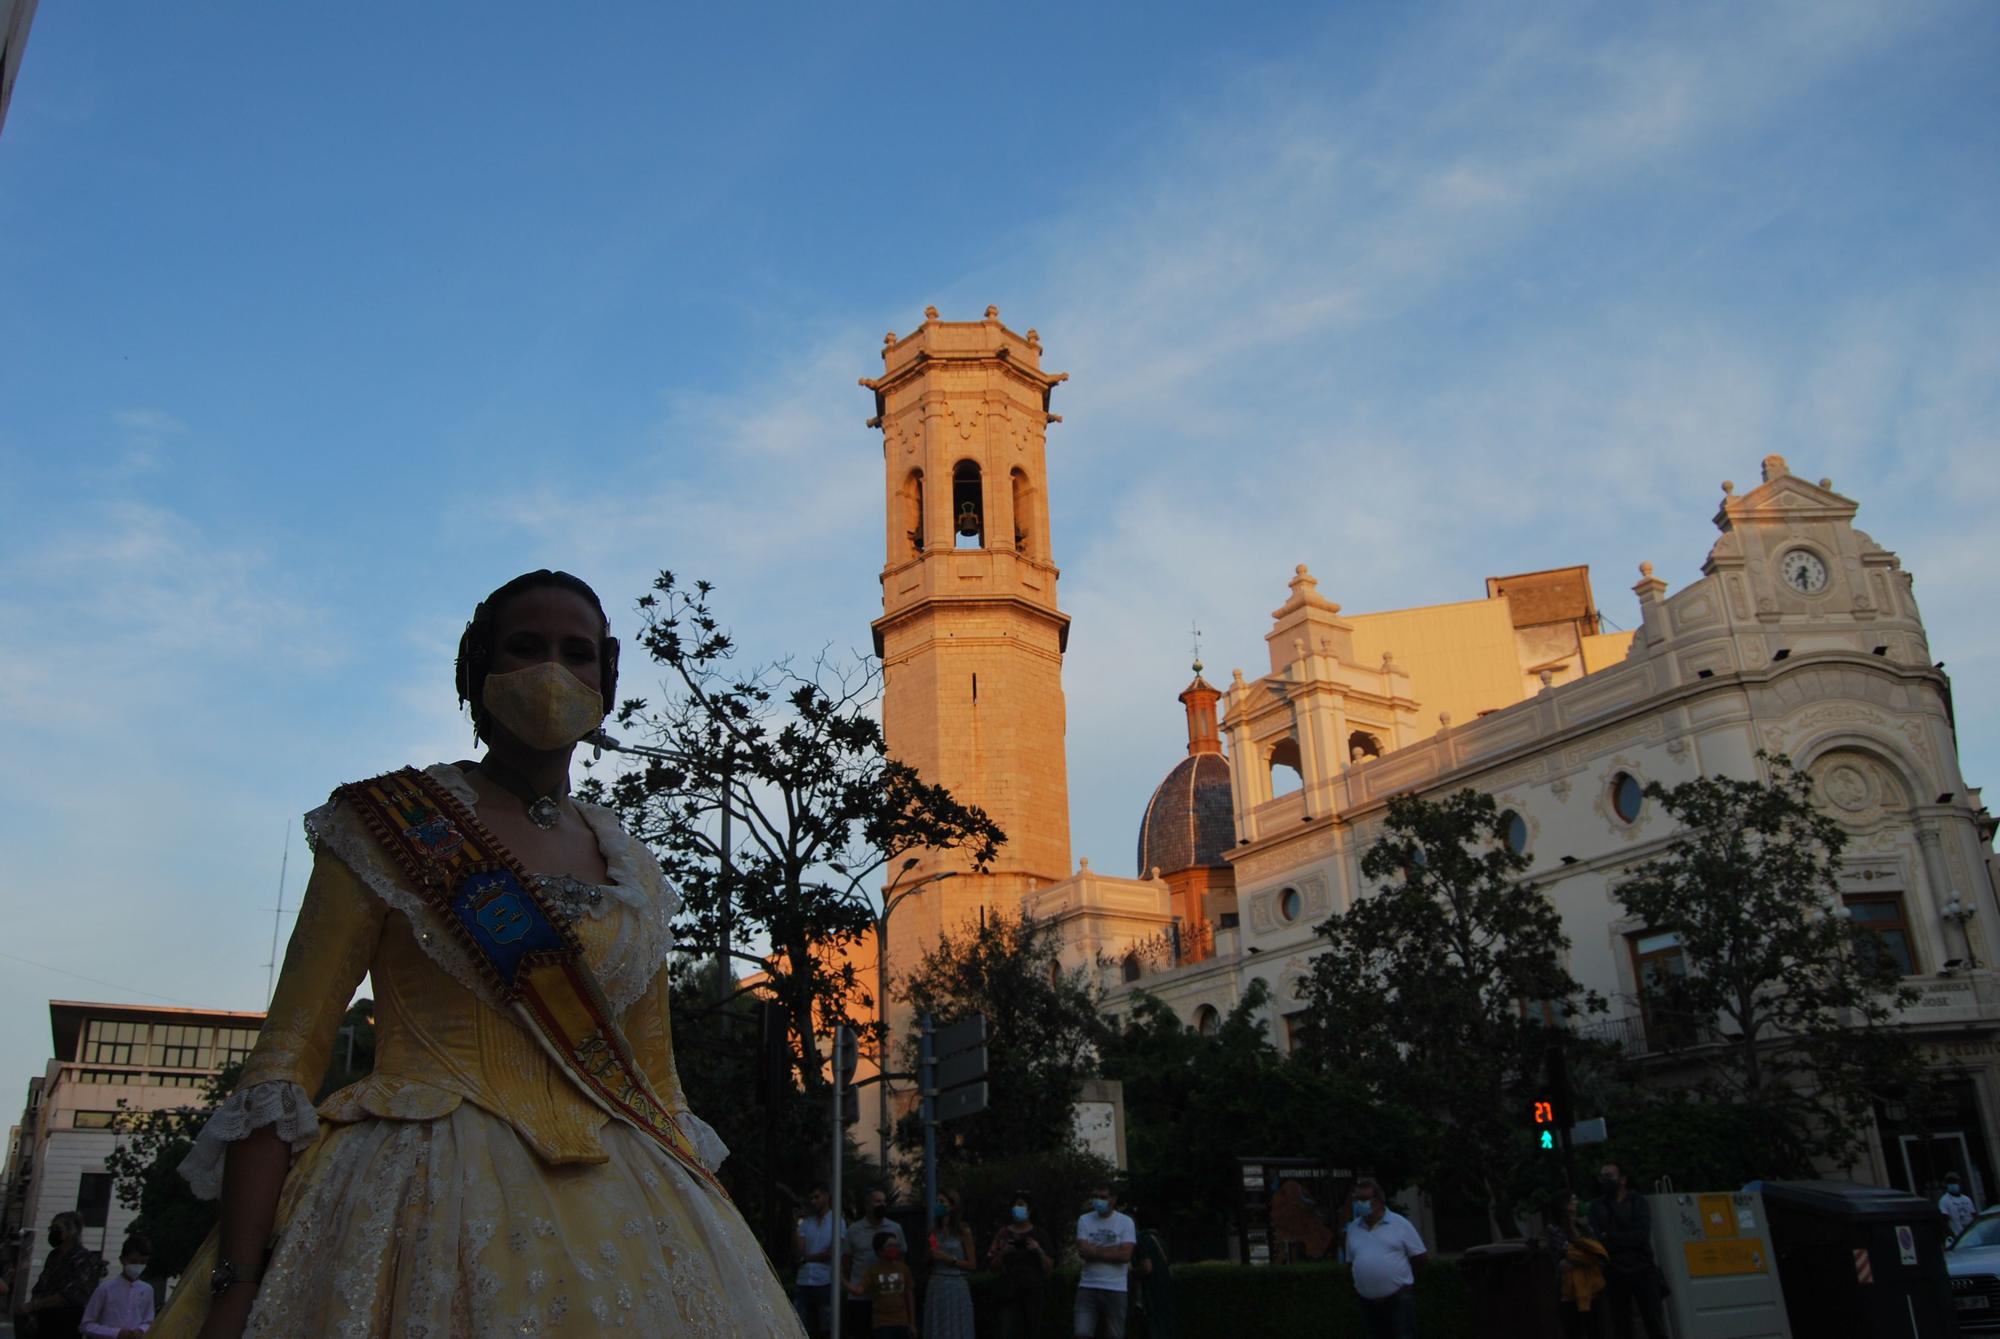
x=322 y=321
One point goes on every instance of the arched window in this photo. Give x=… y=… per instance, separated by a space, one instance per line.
x=1362 y=746
x=1286 y=773
x=1130 y=969
x=1024 y=511
x=968 y=506
x=1208 y=1020
x=913 y=511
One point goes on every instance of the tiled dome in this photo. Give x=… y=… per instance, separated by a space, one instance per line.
x=1191 y=818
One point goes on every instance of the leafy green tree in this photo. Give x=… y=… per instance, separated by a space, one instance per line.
x=1043 y=1031
x=778 y=804
x=1786 y=1006
x=1196 y=1103
x=1433 y=991
x=145 y=1173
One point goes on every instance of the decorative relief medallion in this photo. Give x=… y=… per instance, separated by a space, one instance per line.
x=1847 y=786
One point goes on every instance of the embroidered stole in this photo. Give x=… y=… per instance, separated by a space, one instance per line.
x=530 y=959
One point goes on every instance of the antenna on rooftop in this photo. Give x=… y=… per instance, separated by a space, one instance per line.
x=277 y=919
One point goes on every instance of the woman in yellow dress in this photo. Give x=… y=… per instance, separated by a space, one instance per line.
x=521 y=1160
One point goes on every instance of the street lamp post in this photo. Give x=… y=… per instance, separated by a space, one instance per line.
x=891 y=899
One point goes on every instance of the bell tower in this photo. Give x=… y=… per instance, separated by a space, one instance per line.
x=970 y=637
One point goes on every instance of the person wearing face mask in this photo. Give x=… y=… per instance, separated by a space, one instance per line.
x=858 y=1252
x=1105 y=1239
x=122 y=1307
x=1620 y=1218
x=1385 y=1251
x=1956 y=1208
x=948 y=1297
x=69 y=1276
x=889 y=1289
x=521 y=1158
x=1022 y=1256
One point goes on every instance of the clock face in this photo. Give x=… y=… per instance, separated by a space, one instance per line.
x=1803 y=571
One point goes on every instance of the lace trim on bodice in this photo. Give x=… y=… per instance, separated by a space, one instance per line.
x=638 y=894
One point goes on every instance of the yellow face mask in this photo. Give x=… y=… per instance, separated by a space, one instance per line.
x=543 y=705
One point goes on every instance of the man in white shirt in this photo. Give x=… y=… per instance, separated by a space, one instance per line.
x=812 y=1287
x=1385 y=1253
x=1957 y=1209
x=1105 y=1239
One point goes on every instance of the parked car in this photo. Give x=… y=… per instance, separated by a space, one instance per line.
x=1973 y=1259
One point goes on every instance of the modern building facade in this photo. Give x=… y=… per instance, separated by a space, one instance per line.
x=108 y=1058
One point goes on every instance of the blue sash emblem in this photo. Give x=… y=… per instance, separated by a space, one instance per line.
x=503 y=920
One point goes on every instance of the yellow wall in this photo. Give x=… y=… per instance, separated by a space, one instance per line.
x=1604 y=650
x=1461 y=658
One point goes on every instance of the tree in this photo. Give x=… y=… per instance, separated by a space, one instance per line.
x=145 y=1172
x=777 y=806
x=1196 y=1103
x=1436 y=991
x=1042 y=1029
x=1785 y=1004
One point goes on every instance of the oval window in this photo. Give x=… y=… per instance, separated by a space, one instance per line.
x=1514 y=831
x=1627 y=797
x=1290 y=904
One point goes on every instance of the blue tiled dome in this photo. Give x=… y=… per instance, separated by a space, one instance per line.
x=1191 y=818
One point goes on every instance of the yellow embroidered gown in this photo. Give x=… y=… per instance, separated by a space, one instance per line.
x=466 y=1187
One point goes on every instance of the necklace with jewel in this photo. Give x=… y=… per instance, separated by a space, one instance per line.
x=544 y=811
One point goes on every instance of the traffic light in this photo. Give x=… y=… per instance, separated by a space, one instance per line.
x=1544 y=1112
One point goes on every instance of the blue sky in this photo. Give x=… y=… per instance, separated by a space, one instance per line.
x=322 y=321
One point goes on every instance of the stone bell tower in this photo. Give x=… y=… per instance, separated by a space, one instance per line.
x=970 y=637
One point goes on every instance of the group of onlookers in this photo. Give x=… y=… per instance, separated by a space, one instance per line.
x=1604 y=1261
x=71 y=1296
x=878 y=1289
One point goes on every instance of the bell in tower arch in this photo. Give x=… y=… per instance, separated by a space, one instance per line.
x=969 y=518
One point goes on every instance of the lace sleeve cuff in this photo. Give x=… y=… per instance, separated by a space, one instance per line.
x=708 y=1145
x=286 y=1107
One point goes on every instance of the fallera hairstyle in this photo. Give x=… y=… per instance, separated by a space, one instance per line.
x=475 y=645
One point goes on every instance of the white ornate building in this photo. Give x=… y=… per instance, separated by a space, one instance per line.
x=1802 y=637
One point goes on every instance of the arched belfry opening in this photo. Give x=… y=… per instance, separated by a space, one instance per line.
x=913 y=511
x=968 y=506
x=1287 y=772
x=1361 y=746
x=1024 y=511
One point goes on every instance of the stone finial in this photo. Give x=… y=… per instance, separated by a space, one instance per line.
x=1083 y=864
x=1729 y=488
x=1236 y=678
x=1153 y=873
x=1034 y=338
x=1774 y=467
x=992 y=313
x=888 y=339
x=1646 y=570
x=930 y=313
x=1548 y=678
x=1444 y=720
x=1827 y=484
x=1388 y=662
